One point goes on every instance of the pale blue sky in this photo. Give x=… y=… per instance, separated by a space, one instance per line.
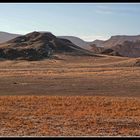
x=88 y=21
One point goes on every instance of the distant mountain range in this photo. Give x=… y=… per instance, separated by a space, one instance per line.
x=127 y=49
x=77 y=41
x=98 y=43
x=4 y=36
x=119 y=45
x=115 y=40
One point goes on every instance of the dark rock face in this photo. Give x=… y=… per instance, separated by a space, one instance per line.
x=34 y=46
x=28 y=54
x=33 y=37
x=111 y=52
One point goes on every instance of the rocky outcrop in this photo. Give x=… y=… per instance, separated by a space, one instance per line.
x=96 y=49
x=111 y=52
x=128 y=49
x=36 y=46
x=119 y=40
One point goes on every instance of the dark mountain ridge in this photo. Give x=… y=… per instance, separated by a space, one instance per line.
x=38 y=45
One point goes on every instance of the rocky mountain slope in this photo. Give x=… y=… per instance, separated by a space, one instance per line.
x=98 y=43
x=120 y=39
x=115 y=40
x=37 y=45
x=96 y=49
x=77 y=41
x=127 y=46
x=128 y=49
x=30 y=46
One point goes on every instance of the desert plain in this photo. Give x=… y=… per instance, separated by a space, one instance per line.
x=70 y=96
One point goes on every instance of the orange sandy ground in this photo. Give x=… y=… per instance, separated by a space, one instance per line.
x=69 y=116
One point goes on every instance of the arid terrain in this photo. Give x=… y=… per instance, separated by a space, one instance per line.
x=69 y=116
x=71 y=75
x=70 y=96
x=69 y=70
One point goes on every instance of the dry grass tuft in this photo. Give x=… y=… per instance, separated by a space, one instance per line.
x=69 y=116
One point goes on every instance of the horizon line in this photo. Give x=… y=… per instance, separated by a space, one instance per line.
x=73 y=36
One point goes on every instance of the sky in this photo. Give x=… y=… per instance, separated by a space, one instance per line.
x=89 y=21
